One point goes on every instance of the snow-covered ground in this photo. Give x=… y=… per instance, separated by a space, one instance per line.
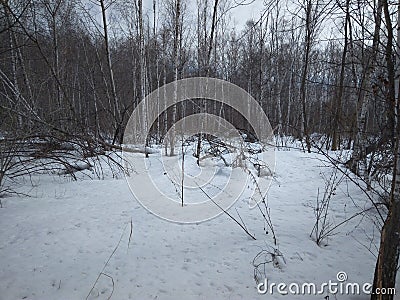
x=92 y=239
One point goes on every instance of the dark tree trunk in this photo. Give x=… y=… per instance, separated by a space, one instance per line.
x=388 y=256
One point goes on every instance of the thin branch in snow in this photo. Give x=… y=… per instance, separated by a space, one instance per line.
x=229 y=215
x=105 y=265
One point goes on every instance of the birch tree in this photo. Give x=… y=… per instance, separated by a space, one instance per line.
x=357 y=162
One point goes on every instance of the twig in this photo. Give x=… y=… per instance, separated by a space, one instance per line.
x=266 y=215
x=112 y=280
x=241 y=218
x=345 y=173
x=105 y=265
x=236 y=221
x=130 y=234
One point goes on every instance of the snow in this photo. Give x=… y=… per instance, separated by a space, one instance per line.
x=56 y=243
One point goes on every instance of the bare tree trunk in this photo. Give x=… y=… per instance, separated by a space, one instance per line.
x=115 y=106
x=176 y=66
x=293 y=65
x=53 y=9
x=289 y=106
x=17 y=53
x=304 y=74
x=13 y=61
x=357 y=161
x=279 y=82
x=388 y=256
x=213 y=24
x=142 y=72
x=338 y=111
x=56 y=60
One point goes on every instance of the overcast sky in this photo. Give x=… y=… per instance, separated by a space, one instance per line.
x=240 y=15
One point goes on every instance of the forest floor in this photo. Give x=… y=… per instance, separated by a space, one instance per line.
x=67 y=234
